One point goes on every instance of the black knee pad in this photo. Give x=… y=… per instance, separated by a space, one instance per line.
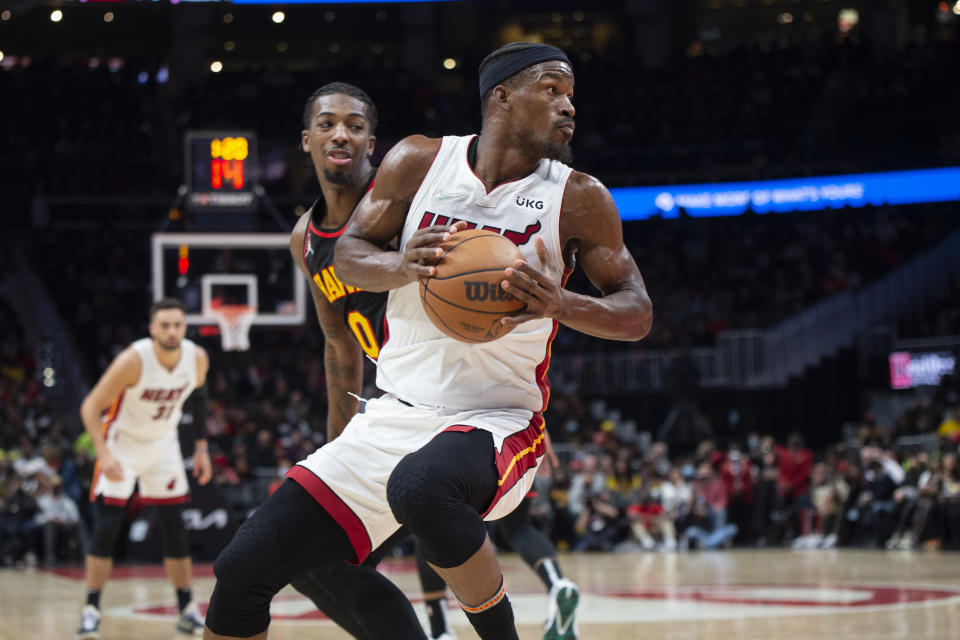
x=251 y=556
x=429 y=580
x=439 y=491
x=173 y=535
x=407 y=490
x=240 y=603
x=109 y=522
x=288 y=535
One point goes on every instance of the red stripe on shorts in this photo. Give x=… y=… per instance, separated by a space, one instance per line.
x=166 y=501
x=520 y=454
x=460 y=428
x=336 y=507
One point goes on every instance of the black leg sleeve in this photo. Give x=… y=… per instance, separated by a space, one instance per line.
x=289 y=534
x=531 y=543
x=313 y=590
x=378 y=608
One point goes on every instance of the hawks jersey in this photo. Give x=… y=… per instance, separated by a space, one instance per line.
x=421 y=365
x=151 y=409
x=362 y=311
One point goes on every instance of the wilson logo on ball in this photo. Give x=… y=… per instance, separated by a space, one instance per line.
x=482 y=291
x=464 y=299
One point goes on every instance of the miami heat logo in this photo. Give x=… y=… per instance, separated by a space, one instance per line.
x=518 y=238
x=163 y=395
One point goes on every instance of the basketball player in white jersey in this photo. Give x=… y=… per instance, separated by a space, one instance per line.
x=339 y=124
x=142 y=394
x=458 y=436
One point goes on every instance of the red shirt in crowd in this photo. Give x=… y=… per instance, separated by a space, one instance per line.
x=738 y=477
x=795 y=466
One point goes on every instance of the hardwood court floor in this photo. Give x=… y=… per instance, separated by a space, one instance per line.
x=752 y=595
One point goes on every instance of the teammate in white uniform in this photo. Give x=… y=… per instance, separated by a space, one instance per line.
x=143 y=392
x=459 y=434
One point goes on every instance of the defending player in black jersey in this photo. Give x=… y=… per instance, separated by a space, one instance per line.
x=351 y=319
x=339 y=121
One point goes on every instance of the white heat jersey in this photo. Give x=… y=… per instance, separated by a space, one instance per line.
x=151 y=409
x=421 y=365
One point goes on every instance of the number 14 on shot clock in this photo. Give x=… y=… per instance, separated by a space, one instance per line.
x=221 y=170
x=226 y=161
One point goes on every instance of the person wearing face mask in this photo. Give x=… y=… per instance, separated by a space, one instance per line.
x=737 y=474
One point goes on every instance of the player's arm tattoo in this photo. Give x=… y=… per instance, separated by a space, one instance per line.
x=342 y=363
x=344 y=376
x=342 y=356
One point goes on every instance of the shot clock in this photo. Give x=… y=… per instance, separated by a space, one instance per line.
x=221 y=170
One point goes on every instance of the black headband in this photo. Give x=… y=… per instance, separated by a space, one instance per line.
x=512 y=63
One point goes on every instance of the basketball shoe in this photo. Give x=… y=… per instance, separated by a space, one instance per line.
x=562 y=616
x=89 y=623
x=190 y=621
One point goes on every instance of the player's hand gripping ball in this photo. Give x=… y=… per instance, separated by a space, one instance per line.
x=464 y=298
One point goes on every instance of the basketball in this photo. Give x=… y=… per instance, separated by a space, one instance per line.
x=464 y=299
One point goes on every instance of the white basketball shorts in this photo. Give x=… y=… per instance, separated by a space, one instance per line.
x=348 y=476
x=158 y=465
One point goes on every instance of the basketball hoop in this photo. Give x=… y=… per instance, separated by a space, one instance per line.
x=234 y=321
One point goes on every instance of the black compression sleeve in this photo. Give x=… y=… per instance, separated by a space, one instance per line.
x=196 y=405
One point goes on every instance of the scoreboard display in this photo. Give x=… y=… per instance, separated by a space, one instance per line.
x=221 y=170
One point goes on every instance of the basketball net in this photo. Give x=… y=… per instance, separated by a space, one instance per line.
x=234 y=321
